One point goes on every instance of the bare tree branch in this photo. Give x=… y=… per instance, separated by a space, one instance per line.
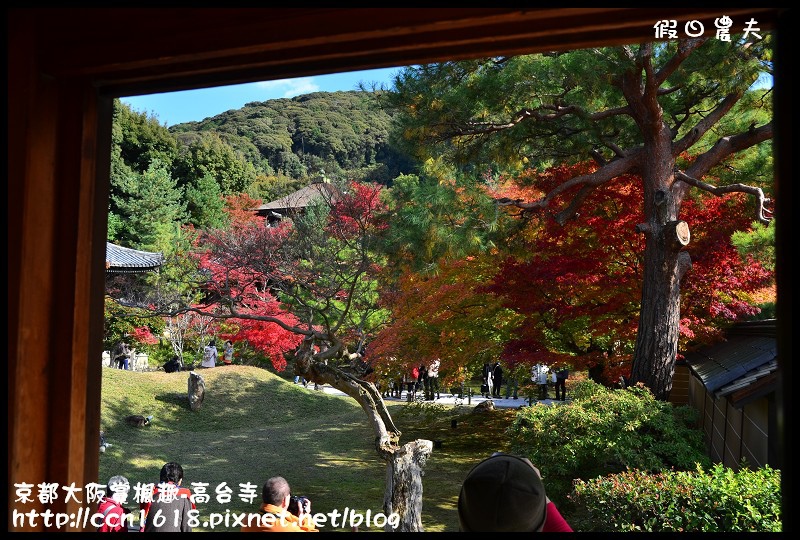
x=559 y=111
x=619 y=152
x=598 y=157
x=644 y=61
x=761 y=210
x=667 y=91
x=570 y=211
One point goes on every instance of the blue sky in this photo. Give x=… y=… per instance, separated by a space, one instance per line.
x=178 y=107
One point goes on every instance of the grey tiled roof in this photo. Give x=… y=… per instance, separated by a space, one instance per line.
x=301 y=198
x=748 y=378
x=748 y=354
x=125 y=260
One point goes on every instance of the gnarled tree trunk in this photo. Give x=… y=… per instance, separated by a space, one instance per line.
x=403 y=495
x=404 y=464
x=664 y=261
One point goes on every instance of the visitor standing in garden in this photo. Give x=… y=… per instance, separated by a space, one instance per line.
x=561 y=383
x=542 y=381
x=227 y=353
x=433 y=378
x=121 y=355
x=422 y=379
x=210 y=355
x=497 y=379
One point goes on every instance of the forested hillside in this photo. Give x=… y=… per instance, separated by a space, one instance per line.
x=343 y=134
x=164 y=178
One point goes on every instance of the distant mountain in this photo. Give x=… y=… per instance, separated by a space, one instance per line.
x=341 y=135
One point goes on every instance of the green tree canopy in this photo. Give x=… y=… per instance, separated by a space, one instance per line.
x=207 y=153
x=141 y=138
x=638 y=109
x=151 y=209
x=346 y=134
x=205 y=203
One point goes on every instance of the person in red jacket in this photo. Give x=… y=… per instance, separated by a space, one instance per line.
x=110 y=506
x=505 y=493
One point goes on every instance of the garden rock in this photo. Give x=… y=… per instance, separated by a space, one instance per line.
x=484 y=406
x=197 y=390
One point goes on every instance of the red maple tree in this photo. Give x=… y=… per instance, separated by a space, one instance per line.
x=300 y=279
x=580 y=286
x=567 y=294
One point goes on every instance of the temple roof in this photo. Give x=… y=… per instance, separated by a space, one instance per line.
x=126 y=260
x=300 y=199
x=743 y=366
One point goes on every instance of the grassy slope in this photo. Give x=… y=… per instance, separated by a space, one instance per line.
x=254 y=424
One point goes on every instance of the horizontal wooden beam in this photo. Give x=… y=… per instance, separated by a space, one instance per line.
x=128 y=51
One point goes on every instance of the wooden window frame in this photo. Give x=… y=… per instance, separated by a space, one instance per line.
x=65 y=66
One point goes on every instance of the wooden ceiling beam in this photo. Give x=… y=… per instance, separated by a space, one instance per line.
x=132 y=51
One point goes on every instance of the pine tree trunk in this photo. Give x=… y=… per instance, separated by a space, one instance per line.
x=665 y=263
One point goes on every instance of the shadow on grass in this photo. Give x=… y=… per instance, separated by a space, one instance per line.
x=251 y=425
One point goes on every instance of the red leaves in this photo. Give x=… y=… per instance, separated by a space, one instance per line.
x=251 y=269
x=143 y=335
x=591 y=269
x=357 y=210
x=571 y=293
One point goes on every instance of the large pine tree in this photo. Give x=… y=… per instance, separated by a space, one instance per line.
x=634 y=110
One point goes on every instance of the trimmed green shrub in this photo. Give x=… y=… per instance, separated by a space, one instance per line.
x=713 y=500
x=606 y=431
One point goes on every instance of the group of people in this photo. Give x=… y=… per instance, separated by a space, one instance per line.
x=492 y=379
x=426 y=378
x=419 y=378
x=211 y=354
x=423 y=378
x=122 y=356
x=503 y=493
x=541 y=375
x=168 y=498
x=557 y=376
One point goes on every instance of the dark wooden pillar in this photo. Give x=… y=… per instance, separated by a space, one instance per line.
x=56 y=232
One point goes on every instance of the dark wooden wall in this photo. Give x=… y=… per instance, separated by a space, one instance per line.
x=679 y=395
x=732 y=433
x=66 y=65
